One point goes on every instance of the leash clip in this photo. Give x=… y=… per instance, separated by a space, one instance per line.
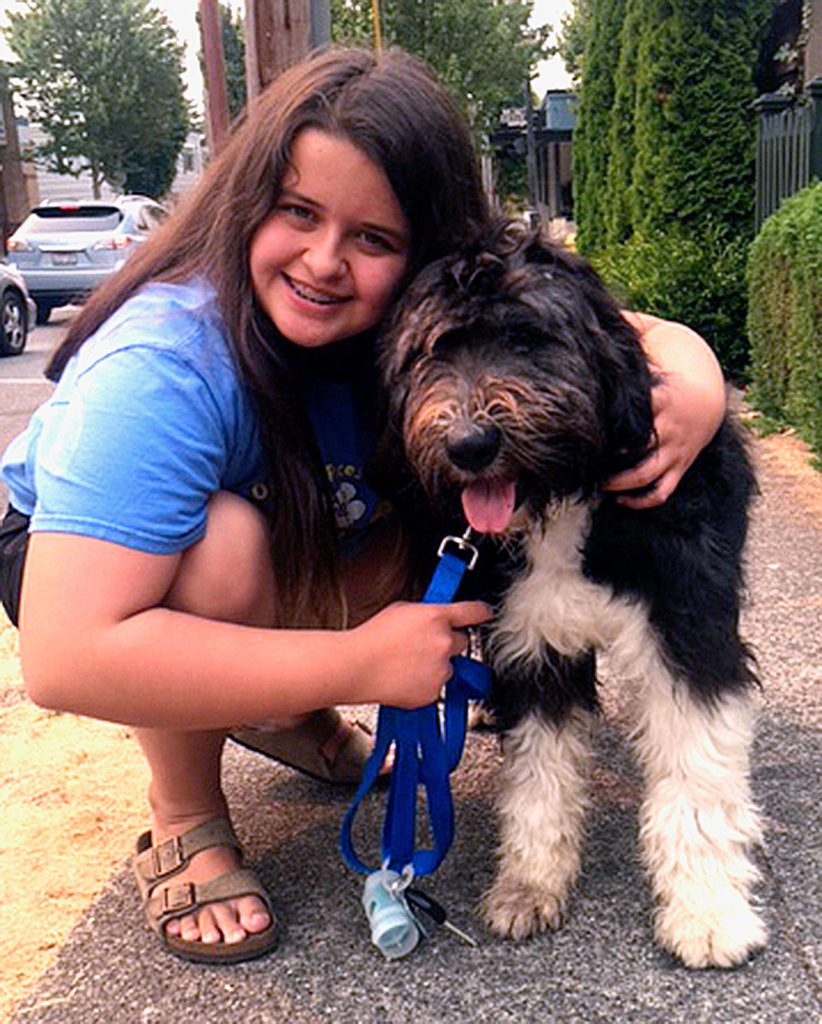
x=464 y=548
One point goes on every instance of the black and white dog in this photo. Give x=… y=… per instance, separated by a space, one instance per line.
x=517 y=387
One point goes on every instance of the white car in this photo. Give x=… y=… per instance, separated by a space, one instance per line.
x=65 y=249
x=17 y=311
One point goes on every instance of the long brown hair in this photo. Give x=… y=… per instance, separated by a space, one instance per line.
x=394 y=110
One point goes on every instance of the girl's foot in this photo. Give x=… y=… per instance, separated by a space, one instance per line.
x=324 y=745
x=198 y=896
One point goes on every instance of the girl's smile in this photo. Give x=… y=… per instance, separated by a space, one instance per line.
x=327 y=262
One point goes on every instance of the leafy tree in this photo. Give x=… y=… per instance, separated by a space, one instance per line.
x=573 y=37
x=663 y=154
x=103 y=78
x=621 y=155
x=483 y=49
x=600 y=22
x=665 y=131
x=693 y=123
x=231 y=24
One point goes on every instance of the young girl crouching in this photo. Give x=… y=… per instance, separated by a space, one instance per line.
x=191 y=541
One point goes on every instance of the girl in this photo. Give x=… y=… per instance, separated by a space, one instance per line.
x=201 y=549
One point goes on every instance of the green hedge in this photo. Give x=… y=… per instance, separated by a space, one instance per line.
x=785 y=314
x=696 y=279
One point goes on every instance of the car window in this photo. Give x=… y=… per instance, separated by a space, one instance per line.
x=73 y=218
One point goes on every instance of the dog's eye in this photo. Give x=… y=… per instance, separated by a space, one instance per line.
x=447 y=343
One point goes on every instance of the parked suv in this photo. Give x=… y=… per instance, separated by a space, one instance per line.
x=65 y=249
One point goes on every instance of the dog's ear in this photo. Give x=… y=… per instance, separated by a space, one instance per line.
x=619 y=360
x=626 y=383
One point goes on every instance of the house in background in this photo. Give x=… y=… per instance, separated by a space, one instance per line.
x=43 y=185
x=792 y=51
x=789 y=109
x=552 y=132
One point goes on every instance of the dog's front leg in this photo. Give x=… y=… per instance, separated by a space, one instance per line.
x=542 y=806
x=698 y=822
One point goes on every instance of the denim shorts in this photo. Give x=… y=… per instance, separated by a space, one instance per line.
x=14 y=537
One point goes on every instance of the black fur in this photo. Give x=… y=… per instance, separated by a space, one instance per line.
x=520 y=310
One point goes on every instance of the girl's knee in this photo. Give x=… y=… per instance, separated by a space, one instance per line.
x=227 y=574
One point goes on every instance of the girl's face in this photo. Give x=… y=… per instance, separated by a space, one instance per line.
x=327 y=262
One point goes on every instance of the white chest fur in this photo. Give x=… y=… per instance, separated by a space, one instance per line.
x=553 y=603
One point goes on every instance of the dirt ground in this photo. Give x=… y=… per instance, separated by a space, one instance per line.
x=71 y=805
x=72 y=796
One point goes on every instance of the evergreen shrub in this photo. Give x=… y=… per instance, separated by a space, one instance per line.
x=785 y=314
x=695 y=278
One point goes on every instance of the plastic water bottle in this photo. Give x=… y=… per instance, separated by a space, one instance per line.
x=393 y=928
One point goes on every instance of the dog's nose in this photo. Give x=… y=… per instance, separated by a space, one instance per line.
x=473 y=449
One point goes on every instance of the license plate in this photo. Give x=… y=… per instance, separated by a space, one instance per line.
x=64 y=259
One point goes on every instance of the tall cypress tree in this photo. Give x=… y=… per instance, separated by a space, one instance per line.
x=621 y=141
x=665 y=131
x=591 y=134
x=693 y=123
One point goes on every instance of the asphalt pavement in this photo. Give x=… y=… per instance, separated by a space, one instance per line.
x=22 y=384
x=603 y=965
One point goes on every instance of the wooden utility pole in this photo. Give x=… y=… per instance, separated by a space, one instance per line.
x=277 y=33
x=216 y=96
x=14 y=203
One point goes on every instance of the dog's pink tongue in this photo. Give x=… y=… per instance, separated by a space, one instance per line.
x=488 y=507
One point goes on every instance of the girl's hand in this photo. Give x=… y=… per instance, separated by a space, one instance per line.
x=688 y=405
x=406 y=649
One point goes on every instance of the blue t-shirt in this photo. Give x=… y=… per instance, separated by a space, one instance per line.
x=150 y=418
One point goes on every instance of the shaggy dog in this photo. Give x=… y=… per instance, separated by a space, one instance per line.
x=516 y=388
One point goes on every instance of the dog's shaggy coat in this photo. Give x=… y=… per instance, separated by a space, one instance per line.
x=516 y=388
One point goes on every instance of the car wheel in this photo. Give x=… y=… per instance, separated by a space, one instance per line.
x=12 y=325
x=43 y=311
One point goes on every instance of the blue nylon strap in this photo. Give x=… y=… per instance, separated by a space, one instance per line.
x=446 y=580
x=426 y=749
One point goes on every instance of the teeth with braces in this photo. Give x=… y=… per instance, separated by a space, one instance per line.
x=304 y=294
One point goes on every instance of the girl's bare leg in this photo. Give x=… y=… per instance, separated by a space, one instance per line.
x=227 y=575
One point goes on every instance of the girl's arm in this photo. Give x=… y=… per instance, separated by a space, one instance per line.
x=96 y=640
x=688 y=404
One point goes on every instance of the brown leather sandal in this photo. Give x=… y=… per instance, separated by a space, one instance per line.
x=154 y=865
x=325 y=746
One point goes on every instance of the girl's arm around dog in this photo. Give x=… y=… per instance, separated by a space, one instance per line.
x=688 y=402
x=98 y=640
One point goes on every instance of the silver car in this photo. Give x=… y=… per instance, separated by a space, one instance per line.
x=65 y=249
x=17 y=311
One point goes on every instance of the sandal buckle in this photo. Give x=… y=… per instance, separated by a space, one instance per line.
x=167 y=857
x=178 y=897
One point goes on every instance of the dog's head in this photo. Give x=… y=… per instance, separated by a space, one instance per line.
x=513 y=379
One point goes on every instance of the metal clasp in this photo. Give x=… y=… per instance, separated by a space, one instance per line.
x=463 y=546
x=167 y=857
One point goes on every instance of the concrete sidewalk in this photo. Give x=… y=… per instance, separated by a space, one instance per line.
x=603 y=965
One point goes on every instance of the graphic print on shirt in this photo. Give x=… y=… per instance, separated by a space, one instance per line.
x=349 y=508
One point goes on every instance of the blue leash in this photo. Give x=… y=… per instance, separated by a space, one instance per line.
x=427 y=746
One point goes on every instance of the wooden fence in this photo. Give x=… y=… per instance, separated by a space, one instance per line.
x=788 y=146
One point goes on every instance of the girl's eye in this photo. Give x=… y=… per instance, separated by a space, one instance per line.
x=375 y=243
x=297 y=213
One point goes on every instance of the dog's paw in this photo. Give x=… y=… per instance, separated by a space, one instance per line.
x=722 y=933
x=517 y=909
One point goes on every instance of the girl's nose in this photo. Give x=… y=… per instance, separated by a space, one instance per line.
x=324 y=255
